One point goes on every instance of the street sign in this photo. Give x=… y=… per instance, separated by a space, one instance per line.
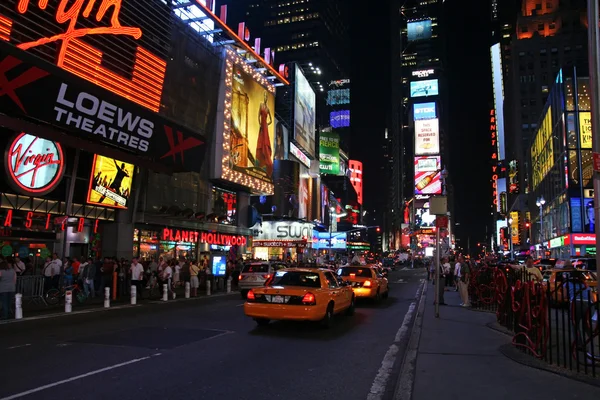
x=441 y=222
x=597 y=162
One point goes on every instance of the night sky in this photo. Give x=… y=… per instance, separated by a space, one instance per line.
x=469 y=74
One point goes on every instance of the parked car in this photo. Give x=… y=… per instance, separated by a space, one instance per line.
x=255 y=275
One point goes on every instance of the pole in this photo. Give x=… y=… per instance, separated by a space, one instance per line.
x=594 y=65
x=330 y=238
x=69 y=201
x=542 y=231
x=437 y=272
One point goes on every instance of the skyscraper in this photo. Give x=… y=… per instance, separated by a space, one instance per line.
x=418 y=118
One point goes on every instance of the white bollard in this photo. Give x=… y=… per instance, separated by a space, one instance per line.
x=208 y=287
x=229 y=285
x=165 y=296
x=18 y=306
x=133 y=295
x=187 y=290
x=68 y=301
x=106 y=297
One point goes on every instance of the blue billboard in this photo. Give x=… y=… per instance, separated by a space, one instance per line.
x=424 y=88
x=321 y=240
x=424 y=111
x=339 y=119
x=419 y=30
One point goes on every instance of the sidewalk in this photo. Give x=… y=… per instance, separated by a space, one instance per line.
x=38 y=310
x=458 y=358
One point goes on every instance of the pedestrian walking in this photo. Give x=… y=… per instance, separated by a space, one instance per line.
x=194 y=282
x=463 y=283
x=87 y=273
x=8 y=285
x=442 y=286
x=137 y=275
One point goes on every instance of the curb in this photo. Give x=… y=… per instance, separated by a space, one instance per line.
x=511 y=352
x=101 y=309
x=499 y=328
x=406 y=380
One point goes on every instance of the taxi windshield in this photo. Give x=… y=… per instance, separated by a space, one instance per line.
x=297 y=278
x=356 y=271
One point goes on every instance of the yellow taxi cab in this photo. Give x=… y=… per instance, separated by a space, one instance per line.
x=556 y=279
x=300 y=294
x=366 y=281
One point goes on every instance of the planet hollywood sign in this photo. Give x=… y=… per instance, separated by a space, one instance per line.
x=34 y=165
x=212 y=238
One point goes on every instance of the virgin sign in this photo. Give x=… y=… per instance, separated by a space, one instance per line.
x=34 y=165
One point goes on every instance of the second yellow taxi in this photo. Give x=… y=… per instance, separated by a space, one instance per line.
x=366 y=281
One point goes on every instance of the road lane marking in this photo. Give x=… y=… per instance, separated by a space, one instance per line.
x=74 y=378
x=240 y=305
x=19 y=346
x=387 y=365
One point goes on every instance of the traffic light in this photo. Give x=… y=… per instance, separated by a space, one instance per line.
x=378 y=229
x=527 y=224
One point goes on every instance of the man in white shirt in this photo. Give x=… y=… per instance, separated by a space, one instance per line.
x=457 y=273
x=55 y=266
x=137 y=275
x=19 y=266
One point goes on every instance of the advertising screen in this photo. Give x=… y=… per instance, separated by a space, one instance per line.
x=585 y=129
x=304 y=113
x=419 y=30
x=588 y=223
x=282 y=141
x=424 y=218
x=219 y=265
x=338 y=97
x=339 y=119
x=427 y=137
x=542 y=150
x=329 y=153
x=498 y=85
x=110 y=182
x=252 y=126
x=427 y=175
x=424 y=88
x=424 y=111
x=321 y=240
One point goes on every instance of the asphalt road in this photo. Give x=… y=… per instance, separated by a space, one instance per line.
x=206 y=349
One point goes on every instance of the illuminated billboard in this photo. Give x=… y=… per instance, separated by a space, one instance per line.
x=424 y=111
x=427 y=136
x=419 y=30
x=249 y=122
x=356 y=178
x=498 y=85
x=110 y=182
x=329 y=153
x=282 y=141
x=338 y=97
x=542 y=150
x=339 y=119
x=424 y=88
x=304 y=113
x=585 y=129
x=427 y=175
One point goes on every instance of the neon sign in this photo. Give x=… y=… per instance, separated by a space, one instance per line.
x=222 y=239
x=176 y=235
x=85 y=61
x=34 y=165
x=494 y=139
x=43 y=221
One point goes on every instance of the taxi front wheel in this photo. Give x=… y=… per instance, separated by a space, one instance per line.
x=262 y=321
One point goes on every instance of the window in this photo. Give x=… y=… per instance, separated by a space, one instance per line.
x=540 y=27
x=255 y=268
x=523 y=29
x=332 y=282
x=297 y=278
x=538 y=6
x=548 y=5
x=552 y=25
x=532 y=102
x=357 y=271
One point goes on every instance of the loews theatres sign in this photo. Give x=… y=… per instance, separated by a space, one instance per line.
x=106 y=85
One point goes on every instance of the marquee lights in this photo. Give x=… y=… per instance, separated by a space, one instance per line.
x=75 y=56
x=229 y=174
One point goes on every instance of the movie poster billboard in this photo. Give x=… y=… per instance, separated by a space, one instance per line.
x=304 y=113
x=329 y=153
x=282 y=141
x=427 y=175
x=110 y=182
x=252 y=126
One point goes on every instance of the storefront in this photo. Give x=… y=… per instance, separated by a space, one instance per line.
x=282 y=240
x=573 y=245
x=152 y=241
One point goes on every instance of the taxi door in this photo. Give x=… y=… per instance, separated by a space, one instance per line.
x=337 y=293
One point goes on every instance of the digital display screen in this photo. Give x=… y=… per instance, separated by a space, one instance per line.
x=339 y=119
x=219 y=265
x=424 y=88
x=419 y=30
x=338 y=97
x=424 y=111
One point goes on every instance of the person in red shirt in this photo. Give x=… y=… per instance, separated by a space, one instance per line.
x=75 y=264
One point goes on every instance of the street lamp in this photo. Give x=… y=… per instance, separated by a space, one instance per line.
x=540 y=203
x=510 y=241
